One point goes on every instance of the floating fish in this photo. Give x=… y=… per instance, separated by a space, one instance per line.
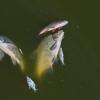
x=47 y=52
x=9 y=48
x=53 y=26
x=31 y=84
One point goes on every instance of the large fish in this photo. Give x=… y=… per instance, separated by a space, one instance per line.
x=47 y=52
x=53 y=26
x=9 y=48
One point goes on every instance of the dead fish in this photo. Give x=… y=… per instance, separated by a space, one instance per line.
x=47 y=52
x=8 y=47
x=53 y=26
x=31 y=84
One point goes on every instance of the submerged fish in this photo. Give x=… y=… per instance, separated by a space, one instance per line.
x=47 y=52
x=53 y=26
x=31 y=84
x=9 y=48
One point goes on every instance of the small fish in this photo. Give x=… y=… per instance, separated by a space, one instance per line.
x=47 y=52
x=31 y=84
x=53 y=26
x=9 y=48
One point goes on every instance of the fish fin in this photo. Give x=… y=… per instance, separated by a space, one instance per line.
x=61 y=56
x=13 y=61
x=1 y=55
x=53 y=46
x=31 y=84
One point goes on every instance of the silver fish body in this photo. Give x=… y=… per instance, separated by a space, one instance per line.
x=53 y=26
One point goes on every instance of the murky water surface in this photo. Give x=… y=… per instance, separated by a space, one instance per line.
x=21 y=20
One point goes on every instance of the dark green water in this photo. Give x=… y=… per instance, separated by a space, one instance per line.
x=21 y=20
